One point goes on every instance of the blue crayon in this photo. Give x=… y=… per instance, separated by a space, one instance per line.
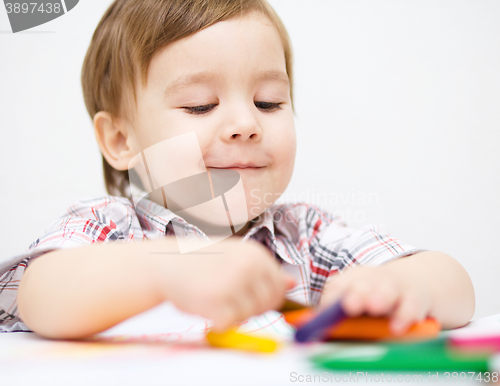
x=316 y=328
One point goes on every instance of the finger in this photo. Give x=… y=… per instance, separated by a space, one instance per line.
x=409 y=311
x=353 y=304
x=382 y=300
x=245 y=305
x=266 y=297
x=279 y=301
x=333 y=291
x=355 y=299
x=224 y=318
x=277 y=284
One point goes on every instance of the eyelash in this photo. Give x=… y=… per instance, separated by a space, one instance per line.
x=199 y=110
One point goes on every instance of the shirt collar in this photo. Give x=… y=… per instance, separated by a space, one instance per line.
x=267 y=230
x=264 y=221
x=155 y=219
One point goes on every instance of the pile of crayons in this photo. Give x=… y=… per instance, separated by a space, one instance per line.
x=367 y=343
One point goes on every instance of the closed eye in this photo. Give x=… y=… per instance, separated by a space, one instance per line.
x=268 y=106
x=199 y=110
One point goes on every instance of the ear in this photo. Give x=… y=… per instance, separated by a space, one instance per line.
x=114 y=139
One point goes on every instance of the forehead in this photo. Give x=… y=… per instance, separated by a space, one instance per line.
x=247 y=46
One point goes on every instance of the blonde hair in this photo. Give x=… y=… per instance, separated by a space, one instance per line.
x=130 y=33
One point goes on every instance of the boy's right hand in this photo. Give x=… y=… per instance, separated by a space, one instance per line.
x=227 y=282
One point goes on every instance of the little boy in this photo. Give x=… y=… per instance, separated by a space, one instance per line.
x=221 y=71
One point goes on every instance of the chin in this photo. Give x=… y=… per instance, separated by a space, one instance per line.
x=256 y=211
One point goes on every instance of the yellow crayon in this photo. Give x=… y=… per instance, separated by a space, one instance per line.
x=232 y=339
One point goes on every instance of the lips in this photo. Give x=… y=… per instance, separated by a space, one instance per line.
x=236 y=166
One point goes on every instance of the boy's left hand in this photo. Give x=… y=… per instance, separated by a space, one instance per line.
x=379 y=291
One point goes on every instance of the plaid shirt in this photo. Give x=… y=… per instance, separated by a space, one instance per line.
x=309 y=243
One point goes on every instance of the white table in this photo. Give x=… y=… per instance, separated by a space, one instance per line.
x=26 y=359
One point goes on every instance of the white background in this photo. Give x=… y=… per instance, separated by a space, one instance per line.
x=398 y=115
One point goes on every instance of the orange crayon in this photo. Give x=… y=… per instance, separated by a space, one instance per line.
x=367 y=328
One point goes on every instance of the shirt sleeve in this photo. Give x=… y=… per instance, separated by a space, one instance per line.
x=85 y=223
x=338 y=248
x=370 y=245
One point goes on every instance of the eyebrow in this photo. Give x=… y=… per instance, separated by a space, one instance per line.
x=278 y=76
x=186 y=81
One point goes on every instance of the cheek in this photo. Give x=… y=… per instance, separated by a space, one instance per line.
x=284 y=149
x=290 y=149
x=286 y=165
x=161 y=126
x=282 y=145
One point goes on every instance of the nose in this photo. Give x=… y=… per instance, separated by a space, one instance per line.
x=242 y=126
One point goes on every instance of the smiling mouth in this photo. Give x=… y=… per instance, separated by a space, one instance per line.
x=239 y=167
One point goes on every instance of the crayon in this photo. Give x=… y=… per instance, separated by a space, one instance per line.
x=366 y=328
x=432 y=355
x=232 y=339
x=320 y=324
x=476 y=340
x=378 y=328
x=290 y=305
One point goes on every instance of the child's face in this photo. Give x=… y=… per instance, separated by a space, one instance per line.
x=234 y=95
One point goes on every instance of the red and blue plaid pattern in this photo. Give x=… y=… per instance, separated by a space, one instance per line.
x=310 y=243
